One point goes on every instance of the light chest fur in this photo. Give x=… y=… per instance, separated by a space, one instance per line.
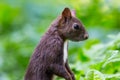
x=65 y=51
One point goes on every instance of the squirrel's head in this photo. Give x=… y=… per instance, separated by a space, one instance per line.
x=71 y=27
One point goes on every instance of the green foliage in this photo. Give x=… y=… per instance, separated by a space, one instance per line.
x=104 y=61
x=94 y=75
x=23 y=22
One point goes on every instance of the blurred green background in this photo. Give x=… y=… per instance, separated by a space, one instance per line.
x=23 y=22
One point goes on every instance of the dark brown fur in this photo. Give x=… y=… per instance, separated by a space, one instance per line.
x=47 y=59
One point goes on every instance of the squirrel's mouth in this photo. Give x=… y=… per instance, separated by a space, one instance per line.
x=79 y=39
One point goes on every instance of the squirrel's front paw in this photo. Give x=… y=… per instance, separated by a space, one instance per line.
x=73 y=77
x=69 y=77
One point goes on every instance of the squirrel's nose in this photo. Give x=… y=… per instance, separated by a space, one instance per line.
x=86 y=36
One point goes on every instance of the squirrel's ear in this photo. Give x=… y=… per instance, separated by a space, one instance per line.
x=66 y=13
x=73 y=12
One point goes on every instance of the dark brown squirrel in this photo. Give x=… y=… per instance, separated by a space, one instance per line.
x=50 y=56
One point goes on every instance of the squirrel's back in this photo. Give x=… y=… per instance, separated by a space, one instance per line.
x=44 y=55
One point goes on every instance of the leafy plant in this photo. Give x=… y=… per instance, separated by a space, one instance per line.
x=104 y=63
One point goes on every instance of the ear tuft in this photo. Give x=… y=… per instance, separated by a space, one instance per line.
x=66 y=13
x=73 y=12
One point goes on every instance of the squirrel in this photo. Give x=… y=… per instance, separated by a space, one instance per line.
x=50 y=56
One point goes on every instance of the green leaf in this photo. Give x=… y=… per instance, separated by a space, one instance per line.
x=94 y=75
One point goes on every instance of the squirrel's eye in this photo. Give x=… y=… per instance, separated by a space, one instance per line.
x=76 y=26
